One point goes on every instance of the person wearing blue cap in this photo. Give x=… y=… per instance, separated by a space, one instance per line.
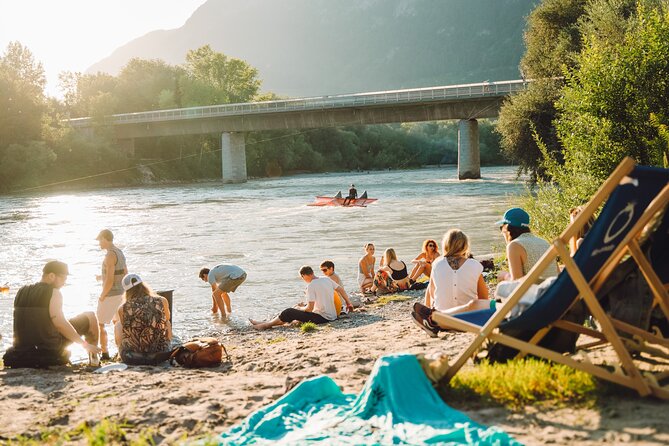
x=523 y=249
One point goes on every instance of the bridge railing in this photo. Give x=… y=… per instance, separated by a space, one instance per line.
x=406 y=96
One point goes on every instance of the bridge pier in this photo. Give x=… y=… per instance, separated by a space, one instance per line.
x=469 y=157
x=233 y=157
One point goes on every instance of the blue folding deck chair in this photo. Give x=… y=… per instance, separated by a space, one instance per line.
x=635 y=196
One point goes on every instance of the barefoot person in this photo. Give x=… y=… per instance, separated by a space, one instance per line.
x=423 y=261
x=41 y=332
x=366 y=269
x=320 y=306
x=224 y=279
x=111 y=297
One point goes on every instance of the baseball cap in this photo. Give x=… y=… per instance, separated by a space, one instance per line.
x=515 y=217
x=55 y=267
x=130 y=280
x=105 y=234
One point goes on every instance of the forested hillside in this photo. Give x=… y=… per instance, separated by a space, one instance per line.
x=315 y=47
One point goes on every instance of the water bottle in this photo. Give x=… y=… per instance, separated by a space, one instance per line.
x=4 y=289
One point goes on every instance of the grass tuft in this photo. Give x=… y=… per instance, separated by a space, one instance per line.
x=277 y=340
x=522 y=382
x=105 y=432
x=383 y=300
x=308 y=327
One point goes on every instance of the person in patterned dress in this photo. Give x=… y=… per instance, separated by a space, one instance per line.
x=143 y=332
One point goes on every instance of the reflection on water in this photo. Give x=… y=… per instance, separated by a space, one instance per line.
x=169 y=232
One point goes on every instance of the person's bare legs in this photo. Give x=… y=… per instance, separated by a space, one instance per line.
x=226 y=299
x=218 y=299
x=118 y=334
x=93 y=334
x=417 y=271
x=103 y=338
x=265 y=325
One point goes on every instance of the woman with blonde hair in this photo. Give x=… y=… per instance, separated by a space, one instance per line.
x=392 y=275
x=424 y=260
x=456 y=284
x=457 y=278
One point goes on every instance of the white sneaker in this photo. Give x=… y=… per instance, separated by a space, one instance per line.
x=93 y=359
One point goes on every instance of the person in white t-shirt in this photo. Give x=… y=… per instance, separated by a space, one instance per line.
x=320 y=306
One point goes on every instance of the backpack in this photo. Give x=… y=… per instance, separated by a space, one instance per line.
x=199 y=352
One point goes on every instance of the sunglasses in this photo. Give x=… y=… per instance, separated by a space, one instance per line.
x=324 y=269
x=430 y=245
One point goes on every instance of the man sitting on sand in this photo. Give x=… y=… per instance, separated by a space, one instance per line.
x=320 y=307
x=224 y=279
x=41 y=332
x=328 y=268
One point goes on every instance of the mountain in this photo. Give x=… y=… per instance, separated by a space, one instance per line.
x=324 y=47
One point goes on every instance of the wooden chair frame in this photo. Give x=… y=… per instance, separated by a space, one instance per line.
x=628 y=374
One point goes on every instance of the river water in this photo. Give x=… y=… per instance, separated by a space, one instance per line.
x=169 y=232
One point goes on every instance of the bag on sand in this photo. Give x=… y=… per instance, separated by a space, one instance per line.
x=199 y=352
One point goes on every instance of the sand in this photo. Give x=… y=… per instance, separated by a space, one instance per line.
x=179 y=403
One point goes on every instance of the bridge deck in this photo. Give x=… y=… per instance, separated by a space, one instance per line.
x=395 y=97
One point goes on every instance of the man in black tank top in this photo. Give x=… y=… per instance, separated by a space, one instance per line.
x=41 y=331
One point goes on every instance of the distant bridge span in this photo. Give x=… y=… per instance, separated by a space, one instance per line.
x=466 y=103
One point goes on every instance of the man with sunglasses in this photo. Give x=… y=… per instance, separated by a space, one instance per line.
x=328 y=268
x=41 y=331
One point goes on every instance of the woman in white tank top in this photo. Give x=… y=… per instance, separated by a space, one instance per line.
x=523 y=249
x=456 y=282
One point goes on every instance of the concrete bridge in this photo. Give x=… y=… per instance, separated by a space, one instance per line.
x=466 y=103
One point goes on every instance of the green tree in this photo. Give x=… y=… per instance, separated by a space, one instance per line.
x=553 y=39
x=614 y=105
x=22 y=101
x=215 y=78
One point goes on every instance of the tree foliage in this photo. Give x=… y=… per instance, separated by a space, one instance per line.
x=553 y=39
x=614 y=105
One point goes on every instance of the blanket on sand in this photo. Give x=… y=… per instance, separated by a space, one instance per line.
x=398 y=405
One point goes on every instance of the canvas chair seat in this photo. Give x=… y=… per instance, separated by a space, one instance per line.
x=634 y=196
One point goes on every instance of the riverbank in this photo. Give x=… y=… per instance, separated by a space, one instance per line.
x=173 y=404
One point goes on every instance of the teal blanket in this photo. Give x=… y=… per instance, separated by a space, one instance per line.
x=397 y=406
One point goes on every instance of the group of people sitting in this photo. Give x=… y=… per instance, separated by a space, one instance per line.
x=41 y=332
x=392 y=275
x=143 y=331
x=457 y=284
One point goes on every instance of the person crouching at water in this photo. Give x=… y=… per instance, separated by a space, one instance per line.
x=41 y=332
x=320 y=306
x=143 y=331
x=223 y=279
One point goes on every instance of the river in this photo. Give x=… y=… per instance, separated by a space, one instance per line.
x=169 y=232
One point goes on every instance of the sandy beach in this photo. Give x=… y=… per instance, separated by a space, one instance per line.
x=177 y=404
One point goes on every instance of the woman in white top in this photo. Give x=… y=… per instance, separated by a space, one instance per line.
x=456 y=282
x=366 y=269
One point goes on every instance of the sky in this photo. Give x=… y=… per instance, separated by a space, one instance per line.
x=71 y=35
